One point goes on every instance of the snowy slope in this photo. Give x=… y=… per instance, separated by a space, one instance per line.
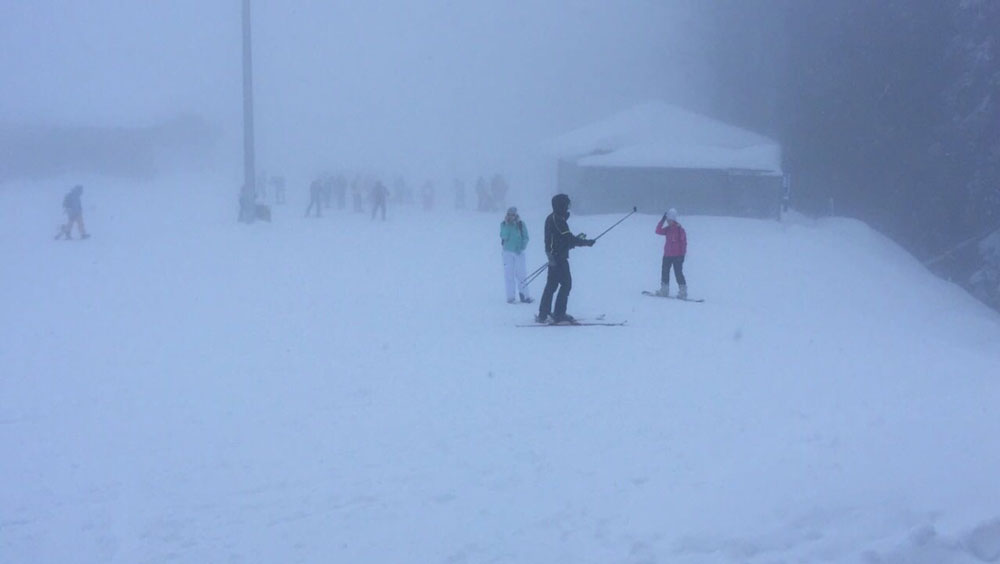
x=180 y=388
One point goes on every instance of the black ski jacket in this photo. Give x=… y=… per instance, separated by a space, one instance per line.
x=72 y=205
x=558 y=238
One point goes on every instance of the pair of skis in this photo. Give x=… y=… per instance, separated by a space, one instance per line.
x=599 y=320
x=582 y=322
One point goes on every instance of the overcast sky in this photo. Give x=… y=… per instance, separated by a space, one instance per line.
x=408 y=84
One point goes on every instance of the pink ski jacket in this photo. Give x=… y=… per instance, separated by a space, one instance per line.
x=676 y=244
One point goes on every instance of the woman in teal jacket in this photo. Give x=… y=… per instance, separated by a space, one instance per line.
x=514 y=239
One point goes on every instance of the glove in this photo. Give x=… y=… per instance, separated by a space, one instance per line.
x=552 y=260
x=589 y=242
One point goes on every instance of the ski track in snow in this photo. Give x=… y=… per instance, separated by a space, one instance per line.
x=180 y=388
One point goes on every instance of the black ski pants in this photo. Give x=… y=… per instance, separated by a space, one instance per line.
x=558 y=277
x=314 y=202
x=678 y=264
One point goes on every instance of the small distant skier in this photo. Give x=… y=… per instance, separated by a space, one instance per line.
x=74 y=214
x=379 y=195
x=315 y=198
x=498 y=192
x=514 y=240
x=674 y=250
x=558 y=242
x=427 y=195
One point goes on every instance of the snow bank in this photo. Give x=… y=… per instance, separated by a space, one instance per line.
x=181 y=388
x=661 y=135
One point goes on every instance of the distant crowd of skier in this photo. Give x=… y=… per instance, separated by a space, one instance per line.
x=369 y=194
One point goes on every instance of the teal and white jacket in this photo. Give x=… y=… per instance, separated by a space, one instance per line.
x=514 y=236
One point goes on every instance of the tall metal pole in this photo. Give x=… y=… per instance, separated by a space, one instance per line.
x=249 y=191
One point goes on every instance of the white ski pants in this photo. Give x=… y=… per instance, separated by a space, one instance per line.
x=513 y=274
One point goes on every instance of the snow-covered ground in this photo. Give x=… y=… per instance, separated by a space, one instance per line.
x=181 y=388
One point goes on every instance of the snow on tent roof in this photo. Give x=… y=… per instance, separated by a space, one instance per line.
x=661 y=135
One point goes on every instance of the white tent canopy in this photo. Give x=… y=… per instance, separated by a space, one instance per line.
x=659 y=135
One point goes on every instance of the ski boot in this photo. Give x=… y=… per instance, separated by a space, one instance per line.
x=542 y=318
x=525 y=299
x=664 y=291
x=682 y=292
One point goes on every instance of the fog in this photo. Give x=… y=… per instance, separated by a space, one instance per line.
x=435 y=87
x=362 y=360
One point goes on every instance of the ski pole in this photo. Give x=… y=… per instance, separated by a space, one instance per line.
x=535 y=274
x=634 y=209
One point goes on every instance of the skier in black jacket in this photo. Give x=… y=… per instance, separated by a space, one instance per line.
x=558 y=241
x=74 y=214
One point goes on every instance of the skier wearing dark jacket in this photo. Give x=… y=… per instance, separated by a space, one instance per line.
x=74 y=214
x=558 y=241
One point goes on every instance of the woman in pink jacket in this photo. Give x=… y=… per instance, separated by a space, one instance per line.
x=674 y=250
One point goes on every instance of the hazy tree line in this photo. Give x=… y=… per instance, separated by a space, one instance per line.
x=888 y=111
x=37 y=151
